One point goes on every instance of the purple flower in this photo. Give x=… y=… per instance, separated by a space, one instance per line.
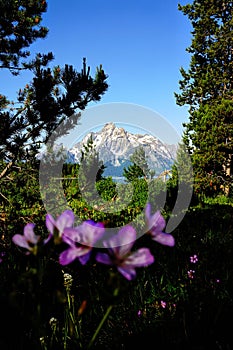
x=56 y=227
x=2 y=254
x=163 y=304
x=155 y=226
x=191 y=274
x=81 y=239
x=194 y=259
x=139 y=313
x=119 y=253
x=28 y=240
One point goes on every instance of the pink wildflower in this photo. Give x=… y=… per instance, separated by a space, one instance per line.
x=194 y=259
x=80 y=239
x=28 y=240
x=57 y=226
x=163 y=304
x=120 y=255
x=191 y=274
x=155 y=226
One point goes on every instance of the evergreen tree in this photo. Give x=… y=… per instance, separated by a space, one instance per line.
x=19 y=28
x=182 y=168
x=181 y=180
x=46 y=108
x=91 y=169
x=51 y=98
x=207 y=87
x=139 y=167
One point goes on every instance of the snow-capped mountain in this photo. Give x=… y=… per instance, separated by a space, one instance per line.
x=115 y=145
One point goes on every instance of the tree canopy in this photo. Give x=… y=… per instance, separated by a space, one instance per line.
x=207 y=88
x=47 y=107
x=139 y=167
x=20 y=26
x=52 y=96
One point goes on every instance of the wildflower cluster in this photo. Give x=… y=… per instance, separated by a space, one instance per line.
x=68 y=280
x=79 y=241
x=193 y=260
x=66 y=243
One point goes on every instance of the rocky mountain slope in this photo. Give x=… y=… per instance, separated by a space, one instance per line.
x=115 y=145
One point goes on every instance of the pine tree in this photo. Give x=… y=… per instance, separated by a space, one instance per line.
x=19 y=28
x=91 y=169
x=46 y=108
x=139 y=167
x=181 y=180
x=54 y=93
x=207 y=88
x=53 y=96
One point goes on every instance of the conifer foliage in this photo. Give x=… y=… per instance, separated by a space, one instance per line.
x=19 y=28
x=47 y=107
x=207 y=88
x=139 y=167
x=53 y=96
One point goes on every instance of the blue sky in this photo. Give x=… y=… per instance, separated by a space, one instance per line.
x=140 y=44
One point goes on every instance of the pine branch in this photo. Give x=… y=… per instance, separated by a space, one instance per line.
x=9 y=165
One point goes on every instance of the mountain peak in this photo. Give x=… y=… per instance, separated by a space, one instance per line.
x=113 y=131
x=115 y=146
x=108 y=126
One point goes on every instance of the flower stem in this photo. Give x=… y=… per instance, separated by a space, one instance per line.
x=100 y=326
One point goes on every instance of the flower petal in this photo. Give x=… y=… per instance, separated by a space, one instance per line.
x=84 y=259
x=103 y=258
x=66 y=219
x=127 y=271
x=155 y=225
x=90 y=232
x=71 y=236
x=50 y=223
x=73 y=253
x=30 y=235
x=46 y=240
x=127 y=236
x=123 y=241
x=163 y=238
x=156 y=220
x=21 y=241
x=68 y=256
x=141 y=258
